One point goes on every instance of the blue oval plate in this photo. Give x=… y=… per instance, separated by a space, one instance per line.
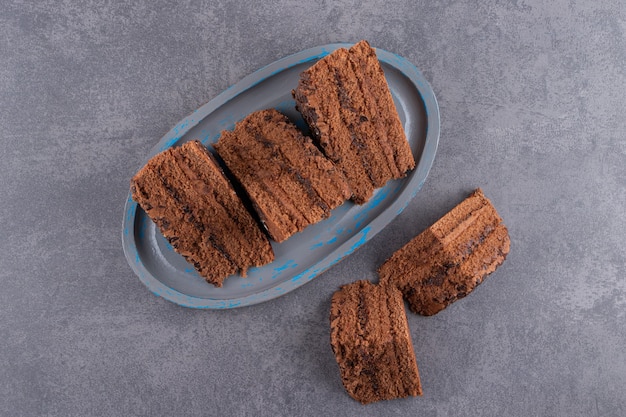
x=309 y=253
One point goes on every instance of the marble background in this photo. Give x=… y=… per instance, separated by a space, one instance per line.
x=532 y=99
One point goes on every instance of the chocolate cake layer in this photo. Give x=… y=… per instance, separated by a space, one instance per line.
x=346 y=101
x=450 y=258
x=370 y=338
x=186 y=194
x=290 y=182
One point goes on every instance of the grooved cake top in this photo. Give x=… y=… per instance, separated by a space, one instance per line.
x=186 y=194
x=289 y=181
x=346 y=101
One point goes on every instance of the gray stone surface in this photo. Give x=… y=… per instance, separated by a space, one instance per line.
x=532 y=98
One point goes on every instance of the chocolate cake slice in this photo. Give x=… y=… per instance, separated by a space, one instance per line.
x=290 y=182
x=370 y=338
x=450 y=258
x=346 y=101
x=186 y=194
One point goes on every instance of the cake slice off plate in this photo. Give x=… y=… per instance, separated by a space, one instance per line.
x=450 y=258
x=370 y=338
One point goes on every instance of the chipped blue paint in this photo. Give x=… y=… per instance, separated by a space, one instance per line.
x=316 y=245
x=362 y=238
x=362 y=216
x=143 y=226
x=289 y=264
x=340 y=235
x=359 y=242
x=169 y=143
x=314 y=273
x=308 y=274
x=130 y=216
x=205 y=139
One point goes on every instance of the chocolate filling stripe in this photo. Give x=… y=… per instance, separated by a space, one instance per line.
x=307 y=151
x=358 y=140
x=458 y=214
x=478 y=264
x=234 y=240
x=369 y=124
x=396 y=341
x=371 y=104
x=198 y=240
x=279 y=191
x=491 y=250
x=222 y=250
x=398 y=150
x=190 y=241
x=281 y=157
x=220 y=233
x=313 y=194
x=212 y=191
x=296 y=177
x=374 y=129
x=170 y=193
x=403 y=348
x=465 y=225
x=249 y=235
x=460 y=246
x=408 y=362
x=340 y=150
x=239 y=165
x=369 y=362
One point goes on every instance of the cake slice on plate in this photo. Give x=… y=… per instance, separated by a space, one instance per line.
x=186 y=194
x=346 y=101
x=290 y=182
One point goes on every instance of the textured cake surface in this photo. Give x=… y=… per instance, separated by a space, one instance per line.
x=346 y=101
x=188 y=197
x=289 y=181
x=370 y=338
x=450 y=258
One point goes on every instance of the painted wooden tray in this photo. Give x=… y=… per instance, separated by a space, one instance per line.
x=305 y=255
